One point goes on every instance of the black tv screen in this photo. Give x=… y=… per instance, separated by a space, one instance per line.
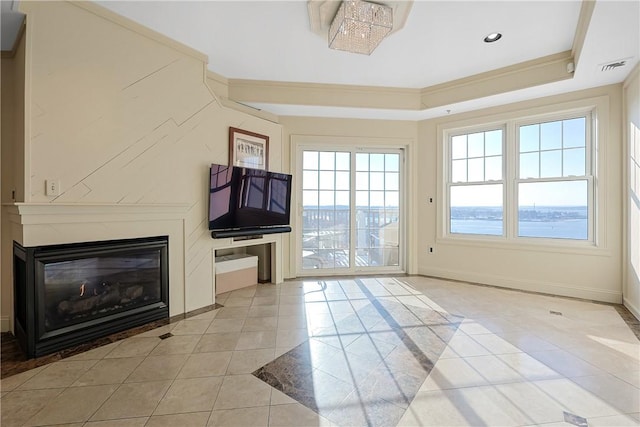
x=244 y=198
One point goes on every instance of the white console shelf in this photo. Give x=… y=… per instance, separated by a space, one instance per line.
x=239 y=244
x=235 y=271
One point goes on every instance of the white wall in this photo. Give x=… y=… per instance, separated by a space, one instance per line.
x=632 y=191
x=12 y=161
x=335 y=132
x=123 y=118
x=592 y=273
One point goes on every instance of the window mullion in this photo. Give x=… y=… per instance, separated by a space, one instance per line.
x=512 y=153
x=546 y=193
x=352 y=208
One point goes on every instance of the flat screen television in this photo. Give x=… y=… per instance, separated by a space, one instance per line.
x=245 y=201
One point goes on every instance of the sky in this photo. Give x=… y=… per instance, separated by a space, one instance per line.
x=553 y=150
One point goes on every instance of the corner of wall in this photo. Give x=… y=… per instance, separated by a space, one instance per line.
x=631 y=191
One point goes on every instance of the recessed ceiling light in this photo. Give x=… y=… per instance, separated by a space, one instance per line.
x=493 y=37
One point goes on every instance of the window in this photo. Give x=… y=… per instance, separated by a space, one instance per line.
x=326 y=201
x=522 y=179
x=553 y=185
x=377 y=209
x=476 y=188
x=351 y=210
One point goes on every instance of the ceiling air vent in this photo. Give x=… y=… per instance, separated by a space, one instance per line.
x=614 y=64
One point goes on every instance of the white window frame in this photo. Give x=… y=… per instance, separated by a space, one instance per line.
x=352 y=146
x=596 y=112
x=588 y=176
x=450 y=183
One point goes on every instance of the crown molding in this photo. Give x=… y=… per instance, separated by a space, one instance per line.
x=218 y=83
x=319 y=94
x=633 y=74
x=218 y=78
x=526 y=74
x=547 y=69
x=584 y=19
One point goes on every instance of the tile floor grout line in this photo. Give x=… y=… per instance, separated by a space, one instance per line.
x=547 y=385
x=348 y=363
x=477 y=419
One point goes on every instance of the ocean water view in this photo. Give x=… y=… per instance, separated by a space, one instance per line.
x=554 y=222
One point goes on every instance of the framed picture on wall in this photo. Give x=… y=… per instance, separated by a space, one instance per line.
x=248 y=149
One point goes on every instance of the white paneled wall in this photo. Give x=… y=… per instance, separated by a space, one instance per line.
x=123 y=119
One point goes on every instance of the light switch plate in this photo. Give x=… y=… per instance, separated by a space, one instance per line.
x=52 y=187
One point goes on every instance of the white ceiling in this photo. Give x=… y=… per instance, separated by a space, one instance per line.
x=272 y=40
x=441 y=41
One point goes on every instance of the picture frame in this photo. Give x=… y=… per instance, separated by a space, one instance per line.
x=248 y=149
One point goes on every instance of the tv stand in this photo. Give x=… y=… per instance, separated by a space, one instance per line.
x=221 y=234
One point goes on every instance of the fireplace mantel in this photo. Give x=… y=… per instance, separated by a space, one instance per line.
x=59 y=213
x=191 y=248
x=43 y=224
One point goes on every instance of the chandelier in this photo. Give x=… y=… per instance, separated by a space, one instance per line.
x=359 y=26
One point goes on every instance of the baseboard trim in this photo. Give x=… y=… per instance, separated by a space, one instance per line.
x=527 y=285
x=193 y=313
x=631 y=307
x=5 y=324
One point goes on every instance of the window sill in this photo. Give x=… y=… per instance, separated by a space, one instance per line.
x=526 y=244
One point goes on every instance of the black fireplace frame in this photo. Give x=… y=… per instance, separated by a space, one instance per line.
x=28 y=268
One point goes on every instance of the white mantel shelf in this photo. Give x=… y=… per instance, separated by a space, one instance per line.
x=59 y=213
x=192 y=250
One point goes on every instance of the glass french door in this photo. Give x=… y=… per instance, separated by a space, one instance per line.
x=351 y=212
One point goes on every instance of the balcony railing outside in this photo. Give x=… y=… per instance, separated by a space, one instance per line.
x=326 y=234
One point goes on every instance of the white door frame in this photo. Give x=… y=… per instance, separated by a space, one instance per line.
x=352 y=145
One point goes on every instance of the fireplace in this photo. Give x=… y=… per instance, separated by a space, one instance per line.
x=66 y=295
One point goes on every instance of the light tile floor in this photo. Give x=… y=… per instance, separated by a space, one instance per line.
x=409 y=351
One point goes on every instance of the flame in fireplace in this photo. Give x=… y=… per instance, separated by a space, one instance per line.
x=82 y=290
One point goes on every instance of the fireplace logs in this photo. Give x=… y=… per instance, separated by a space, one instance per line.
x=109 y=296
x=68 y=294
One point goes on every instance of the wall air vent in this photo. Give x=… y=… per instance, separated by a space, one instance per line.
x=613 y=65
